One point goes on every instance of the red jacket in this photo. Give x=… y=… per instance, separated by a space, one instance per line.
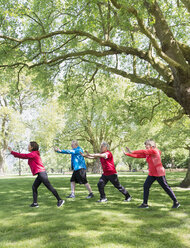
x=153 y=159
x=34 y=161
x=108 y=164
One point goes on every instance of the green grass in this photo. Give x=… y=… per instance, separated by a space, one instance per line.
x=83 y=223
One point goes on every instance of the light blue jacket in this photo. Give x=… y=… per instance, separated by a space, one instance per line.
x=77 y=160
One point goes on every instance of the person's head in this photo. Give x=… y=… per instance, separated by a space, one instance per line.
x=74 y=144
x=150 y=144
x=104 y=147
x=33 y=146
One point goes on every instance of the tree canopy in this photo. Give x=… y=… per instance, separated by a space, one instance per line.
x=145 y=41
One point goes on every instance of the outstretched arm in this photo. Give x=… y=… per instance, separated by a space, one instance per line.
x=145 y=152
x=133 y=154
x=94 y=155
x=128 y=150
x=72 y=151
x=20 y=155
x=87 y=156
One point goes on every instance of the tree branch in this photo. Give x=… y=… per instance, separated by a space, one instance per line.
x=168 y=90
x=170 y=49
x=116 y=4
x=176 y=60
x=115 y=49
x=187 y=4
x=152 y=111
x=171 y=60
x=177 y=117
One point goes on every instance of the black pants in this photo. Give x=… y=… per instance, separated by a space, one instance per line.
x=163 y=183
x=43 y=178
x=114 y=180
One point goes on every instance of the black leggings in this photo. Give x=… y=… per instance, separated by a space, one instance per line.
x=163 y=183
x=114 y=180
x=43 y=178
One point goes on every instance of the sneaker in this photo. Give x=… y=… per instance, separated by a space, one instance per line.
x=102 y=200
x=143 y=205
x=34 y=205
x=90 y=196
x=128 y=199
x=60 y=203
x=176 y=205
x=71 y=196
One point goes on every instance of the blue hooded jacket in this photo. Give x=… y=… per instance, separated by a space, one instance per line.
x=77 y=160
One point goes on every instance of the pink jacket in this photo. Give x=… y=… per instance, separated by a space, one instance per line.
x=153 y=159
x=34 y=160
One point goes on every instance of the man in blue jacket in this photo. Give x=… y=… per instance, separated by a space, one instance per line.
x=79 y=168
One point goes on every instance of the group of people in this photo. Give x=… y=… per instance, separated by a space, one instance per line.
x=78 y=165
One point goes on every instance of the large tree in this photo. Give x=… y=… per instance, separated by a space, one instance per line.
x=93 y=112
x=145 y=41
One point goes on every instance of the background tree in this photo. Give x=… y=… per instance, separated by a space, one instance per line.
x=160 y=118
x=93 y=112
x=48 y=123
x=18 y=98
x=145 y=41
x=11 y=129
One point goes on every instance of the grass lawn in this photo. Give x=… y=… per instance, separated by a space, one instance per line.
x=83 y=223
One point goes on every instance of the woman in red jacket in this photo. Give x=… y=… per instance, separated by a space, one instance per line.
x=156 y=171
x=37 y=168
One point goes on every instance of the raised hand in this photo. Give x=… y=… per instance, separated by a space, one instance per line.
x=129 y=151
x=124 y=151
x=87 y=153
x=82 y=154
x=56 y=149
x=9 y=148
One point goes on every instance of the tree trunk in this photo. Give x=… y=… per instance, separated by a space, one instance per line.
x=19 y=168
x=2 y=162
x=186 y=181
x=182 y=89
x=173 y=163
x=96 y=168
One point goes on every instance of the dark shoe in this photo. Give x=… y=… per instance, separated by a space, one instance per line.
x=71 y=196
x=34 y=205
x=176 y=205
x=60 y=203
x=128 y=199
x=102 y=200
x=143 y=205
x=90 y=196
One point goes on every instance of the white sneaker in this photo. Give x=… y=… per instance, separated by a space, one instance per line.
x=102 y=200
x=60 y=203
x=71 y=196
x=90 y=196
x=128 y=199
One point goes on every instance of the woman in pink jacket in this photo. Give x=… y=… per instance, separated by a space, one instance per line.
x=156 y=171
x=37 y=168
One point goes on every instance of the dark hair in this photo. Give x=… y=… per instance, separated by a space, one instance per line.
x=34 y=145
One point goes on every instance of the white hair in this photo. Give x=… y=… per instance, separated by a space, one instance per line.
x=105 y=144
x=150 y=142
x=75 y=142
